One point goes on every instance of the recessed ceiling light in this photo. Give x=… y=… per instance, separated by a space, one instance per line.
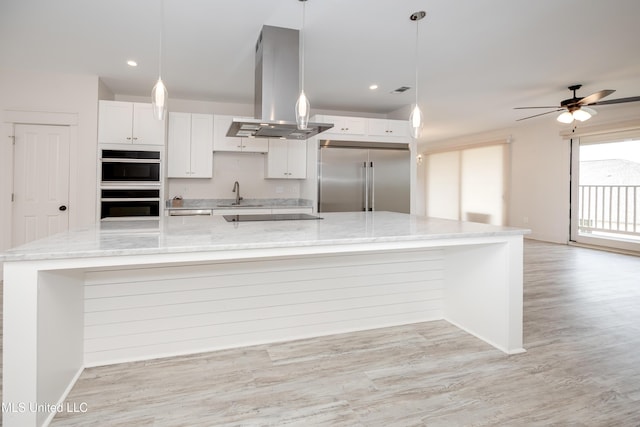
x=373 y=87
x=132 y=63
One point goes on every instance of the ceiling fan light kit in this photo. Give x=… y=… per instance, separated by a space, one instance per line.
x=576 y=108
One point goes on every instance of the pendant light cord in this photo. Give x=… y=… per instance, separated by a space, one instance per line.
x=160 y=49
x=304 y=3
x=416 y=58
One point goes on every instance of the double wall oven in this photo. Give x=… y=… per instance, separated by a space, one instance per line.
x=130 y=184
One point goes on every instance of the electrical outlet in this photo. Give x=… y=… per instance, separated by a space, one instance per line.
x=525 y=220
x=279 y=189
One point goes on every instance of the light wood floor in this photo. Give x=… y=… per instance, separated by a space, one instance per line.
x=582 y=367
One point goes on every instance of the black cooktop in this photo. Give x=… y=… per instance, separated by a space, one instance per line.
x=269 y=217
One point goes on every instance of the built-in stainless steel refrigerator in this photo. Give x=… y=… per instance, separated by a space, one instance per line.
x=363 y=176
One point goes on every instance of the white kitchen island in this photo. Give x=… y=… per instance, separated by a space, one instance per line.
x=133 y=290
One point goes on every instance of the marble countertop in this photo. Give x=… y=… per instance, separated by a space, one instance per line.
x=172 y=235
x=244 y=204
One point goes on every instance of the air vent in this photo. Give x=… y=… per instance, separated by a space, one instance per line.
x=401 y=89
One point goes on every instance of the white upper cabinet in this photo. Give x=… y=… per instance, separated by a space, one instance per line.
x=344 y=125
x=384 y=127
x=190 y=146
x=365 y=129
x=129 y=123
x=222 y=142
x=287 y=159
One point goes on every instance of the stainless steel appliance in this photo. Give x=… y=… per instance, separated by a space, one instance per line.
x=276 y=89
x=130 y=184
x=363 y=176
x=130 y=167
x=118 y=203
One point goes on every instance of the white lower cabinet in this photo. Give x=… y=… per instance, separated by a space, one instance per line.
x=287 y=159
x=190 y=146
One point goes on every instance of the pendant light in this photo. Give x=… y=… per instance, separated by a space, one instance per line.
x=415 y=119
x=159 y=93
x=302 y=106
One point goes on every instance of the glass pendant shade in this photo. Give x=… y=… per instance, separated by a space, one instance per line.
x=159 y=93
x=415 y=122
x=159 y=97
x=302 y=111
x=581 y=115
x=565 y=117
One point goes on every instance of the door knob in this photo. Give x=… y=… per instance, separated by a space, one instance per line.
x=62 y=208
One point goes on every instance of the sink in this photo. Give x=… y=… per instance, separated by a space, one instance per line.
x=240 y=205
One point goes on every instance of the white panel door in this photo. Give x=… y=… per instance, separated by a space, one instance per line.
x=146 y=128
x=115 y=122
x=40 y=182
x=201 y=146
x=297 y=159
x=178 y=150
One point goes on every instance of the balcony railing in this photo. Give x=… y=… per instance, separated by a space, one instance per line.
x=611 y=209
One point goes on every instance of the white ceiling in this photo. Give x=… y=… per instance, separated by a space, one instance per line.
x=478 y=58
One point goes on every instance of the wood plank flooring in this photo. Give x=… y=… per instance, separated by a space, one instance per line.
x=582 y=367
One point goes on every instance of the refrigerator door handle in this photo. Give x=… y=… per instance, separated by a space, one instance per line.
x=373 y=188
x=366 y=188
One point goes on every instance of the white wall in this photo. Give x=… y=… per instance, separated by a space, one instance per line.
x=58 y=93
x=247 y=169
x=540 y=168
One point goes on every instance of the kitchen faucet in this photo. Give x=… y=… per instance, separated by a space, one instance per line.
x=236 y=189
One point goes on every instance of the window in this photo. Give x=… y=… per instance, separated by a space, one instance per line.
x=468 y=184
x=605 y=191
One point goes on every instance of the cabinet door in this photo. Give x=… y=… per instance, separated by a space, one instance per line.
x=277 y=159
x=201 y=145
x=222 y=142
x=178 y=149
x=297 y=159
x=378 y=127
x=146 y=128
x=115 y=122
x=398 y=128
x=345 y=125
x=354 y=126
x=255 y=145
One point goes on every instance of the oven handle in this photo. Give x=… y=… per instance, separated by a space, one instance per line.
x=112 y=160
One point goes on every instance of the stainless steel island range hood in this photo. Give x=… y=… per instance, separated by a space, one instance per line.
x=276 y=89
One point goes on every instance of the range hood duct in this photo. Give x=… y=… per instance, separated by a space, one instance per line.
x=276 y=89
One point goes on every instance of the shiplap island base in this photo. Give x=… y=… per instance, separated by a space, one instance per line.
x=133 y=290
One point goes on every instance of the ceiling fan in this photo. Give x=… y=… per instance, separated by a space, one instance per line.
x=576 y=108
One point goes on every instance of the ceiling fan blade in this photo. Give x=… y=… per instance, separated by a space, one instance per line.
x=541 y=114
x=617 y=101
x=595 y=97
x=525 y=108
